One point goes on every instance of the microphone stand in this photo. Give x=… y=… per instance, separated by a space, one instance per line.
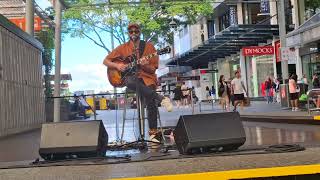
x=140 y=106
x=140 y=103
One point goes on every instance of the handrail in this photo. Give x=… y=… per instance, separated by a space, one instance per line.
x=312 y=93
x=104 y=94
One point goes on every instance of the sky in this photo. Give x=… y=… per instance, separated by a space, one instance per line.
x=83 y=60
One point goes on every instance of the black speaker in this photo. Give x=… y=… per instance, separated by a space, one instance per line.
x=223 y=131
x=73 y=139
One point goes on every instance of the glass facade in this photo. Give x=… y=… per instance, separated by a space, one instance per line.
x=259 y=68
x=251 y=13
x=311 y=64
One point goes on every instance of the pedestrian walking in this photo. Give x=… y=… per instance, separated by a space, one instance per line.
x=224 y=93
x=294 y=92
x=268 y=87
x=237 y=90
x=177 y=95
x=185 y=94
x=208 y=92
x=305 y=83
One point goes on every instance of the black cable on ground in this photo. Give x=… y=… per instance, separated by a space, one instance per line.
x=132 y=145
x=285 y=148
x=162 y=156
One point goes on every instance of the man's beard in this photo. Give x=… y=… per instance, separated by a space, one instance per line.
x=134 y=38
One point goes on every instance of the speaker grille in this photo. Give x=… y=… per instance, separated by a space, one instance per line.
x=209 y=130
x=73 y=138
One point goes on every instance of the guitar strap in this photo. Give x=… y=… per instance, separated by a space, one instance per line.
x=142 y=45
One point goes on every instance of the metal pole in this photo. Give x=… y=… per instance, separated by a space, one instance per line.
x=282 y=36
x=30 y=17
x=140 y=109
x=57 y=78
x=94 y=107
x=115 y=92
x=192 y=103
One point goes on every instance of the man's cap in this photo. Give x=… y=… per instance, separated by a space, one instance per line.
x=131 y=25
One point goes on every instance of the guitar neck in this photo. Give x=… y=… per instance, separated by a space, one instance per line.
x=148 y=57
x=144 y=58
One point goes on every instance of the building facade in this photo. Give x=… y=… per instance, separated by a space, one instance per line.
x=237 y=28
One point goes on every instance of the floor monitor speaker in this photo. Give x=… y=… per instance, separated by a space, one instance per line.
x=222 y=131
x=74 y=138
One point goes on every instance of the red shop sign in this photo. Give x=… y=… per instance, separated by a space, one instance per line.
x=21 y=22
x=258 y=50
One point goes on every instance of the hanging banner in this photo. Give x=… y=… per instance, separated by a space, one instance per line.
x=264 y=7
x=288 y=54
x=277 y=50
x=258 y=50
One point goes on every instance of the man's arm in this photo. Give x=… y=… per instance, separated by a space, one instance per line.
x=110 y=64
x=153 y=64
x=244 y=88
x=232 y=87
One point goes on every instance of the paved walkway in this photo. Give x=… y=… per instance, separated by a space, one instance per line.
x=25 y=146
x=91 y=171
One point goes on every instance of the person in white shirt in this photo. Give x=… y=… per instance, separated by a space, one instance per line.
x=237 y=90
x=83 y=106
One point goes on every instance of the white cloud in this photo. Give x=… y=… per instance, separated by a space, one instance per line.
x=88 y=77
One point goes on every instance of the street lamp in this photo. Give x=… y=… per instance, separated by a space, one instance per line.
x=173 y=25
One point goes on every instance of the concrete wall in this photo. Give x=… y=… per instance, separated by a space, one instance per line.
x=21 y=91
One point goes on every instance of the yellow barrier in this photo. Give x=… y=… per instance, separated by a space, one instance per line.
x=240 y=174
x=90 y=102
x=316 y=117
x=103 y=103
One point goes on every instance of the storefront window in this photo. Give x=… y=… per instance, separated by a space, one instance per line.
x=259 y=68
x=305 y=66
x=234 y=65
x=311 y=64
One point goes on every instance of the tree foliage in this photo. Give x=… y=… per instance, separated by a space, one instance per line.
x=46 y=37
x=312 y=5
x=100 y=21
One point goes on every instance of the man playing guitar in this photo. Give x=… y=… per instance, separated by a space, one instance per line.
x=145 y=81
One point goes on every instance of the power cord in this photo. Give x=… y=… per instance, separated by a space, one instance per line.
x=165 y=154
x=283 y=148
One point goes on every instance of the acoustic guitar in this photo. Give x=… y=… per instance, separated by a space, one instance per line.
x=117 y=78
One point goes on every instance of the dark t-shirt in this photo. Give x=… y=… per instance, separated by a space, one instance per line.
x=316 y=83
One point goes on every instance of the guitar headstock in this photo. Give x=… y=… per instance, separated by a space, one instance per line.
x=165 y=50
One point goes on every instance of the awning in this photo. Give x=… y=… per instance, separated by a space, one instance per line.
x=226 y=43
x=306 y=33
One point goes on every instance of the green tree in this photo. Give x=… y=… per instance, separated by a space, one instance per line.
x=97 y=22
x=313 y=6
x=46 y=37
